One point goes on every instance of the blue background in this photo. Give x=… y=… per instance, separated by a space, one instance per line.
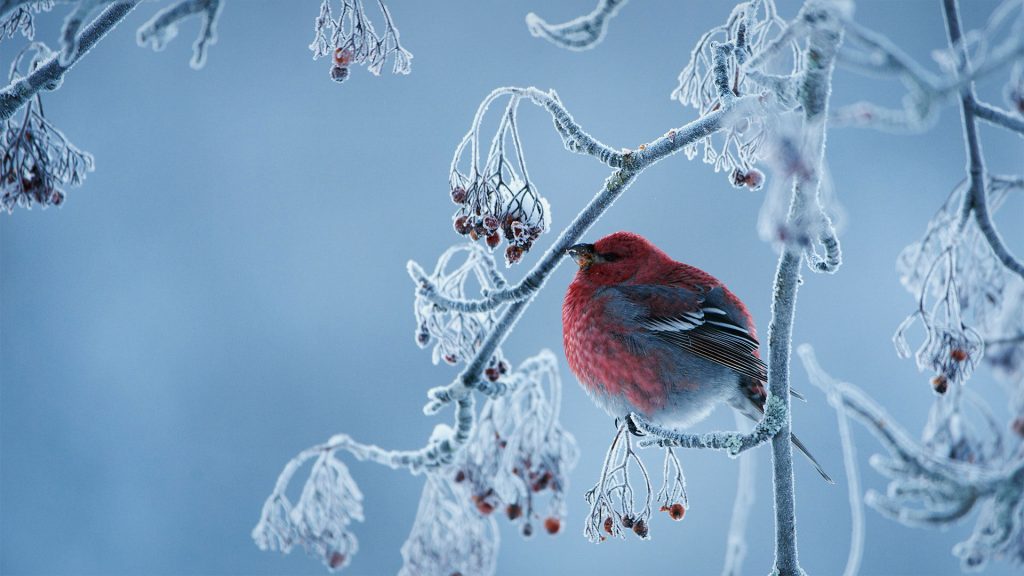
x=229 y=286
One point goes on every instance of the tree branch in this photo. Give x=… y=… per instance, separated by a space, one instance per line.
x=50 y=75
x=582 y=33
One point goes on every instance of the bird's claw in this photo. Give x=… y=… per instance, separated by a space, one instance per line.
x=634 y=428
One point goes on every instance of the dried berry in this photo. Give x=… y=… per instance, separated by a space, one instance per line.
x=514 y=511
x=462 y=225
x=339 y=73
x=627 y=521
x=451 y=358
x=958 y=354
x=542 y=482
x=459 y=195
x=608 y=525
x=493 y=240
x=336 y=560
x=940 y=383
x=460 y=476
x=527 y=529
x=552 y=525
x=490 y=223
x=492 y=374
x=484 y=506
x=1018 y=426
x=503 y=367
x=640 y=528
x=513 y=254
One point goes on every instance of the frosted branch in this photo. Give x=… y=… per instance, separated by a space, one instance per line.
x=999 y=117
x=934 y=489
x=163 y=27
x=582 y=33
x=775 y=416
x=49 y=75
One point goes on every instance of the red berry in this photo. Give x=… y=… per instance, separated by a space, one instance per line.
x=958 y=354
x=459 y=195
x=342 y=56
x=462 y=225
x=542 y=482
x=493 y=239
x=451 y=358
x=57 y=198
x=514 y=511
x=492 y=374
x=484 y=507
x=608 y=525
x=490 y=223
x=552 y=525
x=940 y=383
x=754 y=179
x=677 y=511
x=336 y=560
x=460 y=476
x=627 y=521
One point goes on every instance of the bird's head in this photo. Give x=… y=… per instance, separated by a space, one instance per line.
x=614 y=259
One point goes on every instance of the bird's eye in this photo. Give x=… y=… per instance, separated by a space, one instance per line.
x=611 y=257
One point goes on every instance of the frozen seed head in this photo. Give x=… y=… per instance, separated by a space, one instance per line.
x=640 y=528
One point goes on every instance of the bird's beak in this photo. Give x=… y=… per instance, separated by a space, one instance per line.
x=583 y=254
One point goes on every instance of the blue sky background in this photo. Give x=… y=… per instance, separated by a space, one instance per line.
x=229 y=286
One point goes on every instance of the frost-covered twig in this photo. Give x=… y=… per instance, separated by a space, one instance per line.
x=49 y=75
x=933 y=489
x=927 y=91
x=159 y=30
x=351 y=39
x=19 y=16
x=823 y=41
x=582 y=33
x=36 y=159
x=775 y=416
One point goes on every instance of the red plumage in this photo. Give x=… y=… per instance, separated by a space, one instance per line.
x=646 y=334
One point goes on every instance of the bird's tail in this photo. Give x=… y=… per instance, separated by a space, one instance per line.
x=800 y=446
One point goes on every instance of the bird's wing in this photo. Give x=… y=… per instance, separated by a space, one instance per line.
x=699 y=321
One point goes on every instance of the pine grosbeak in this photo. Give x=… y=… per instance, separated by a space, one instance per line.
x=646 y=334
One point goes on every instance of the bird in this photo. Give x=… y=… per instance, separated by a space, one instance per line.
x=648 y=335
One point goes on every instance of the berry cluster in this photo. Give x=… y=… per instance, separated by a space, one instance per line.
x=749 y=29
x=448 y=536
x=457 y=335
x=351 y=39
x=36 y=159
x=520 y=452
x=961 y=294
x=613 y=506
x=319 y=521
x=497 y=201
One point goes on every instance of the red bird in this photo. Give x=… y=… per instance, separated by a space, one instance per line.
x=646 y=334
